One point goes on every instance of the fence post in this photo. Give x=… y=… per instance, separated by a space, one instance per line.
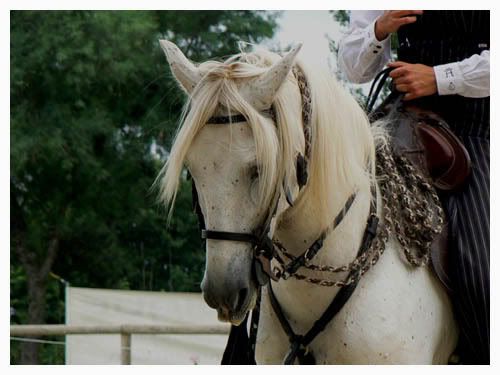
x=126 y=342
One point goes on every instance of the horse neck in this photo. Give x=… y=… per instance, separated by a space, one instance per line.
x=342 y=144
x=299 y=226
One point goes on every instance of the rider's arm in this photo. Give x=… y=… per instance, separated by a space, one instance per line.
x=361 y=54
x=469 y=77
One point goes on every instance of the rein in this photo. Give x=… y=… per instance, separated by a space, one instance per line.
x=373 y=95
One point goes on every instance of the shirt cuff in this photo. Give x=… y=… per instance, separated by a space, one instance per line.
x=449 y=79
x=373 y=45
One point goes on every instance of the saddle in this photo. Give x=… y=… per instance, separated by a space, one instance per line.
x=425 y=139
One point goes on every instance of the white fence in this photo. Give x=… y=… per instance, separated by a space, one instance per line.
x=125 y=331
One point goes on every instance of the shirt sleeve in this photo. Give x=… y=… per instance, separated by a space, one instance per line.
x=361 y=55
x=469 y=77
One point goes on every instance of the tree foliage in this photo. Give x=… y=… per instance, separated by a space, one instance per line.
x=93 y=113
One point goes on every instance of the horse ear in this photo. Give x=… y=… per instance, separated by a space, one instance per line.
x=261 y=91
x=183 y=70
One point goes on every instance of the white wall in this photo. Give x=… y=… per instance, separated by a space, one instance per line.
x=86 y=306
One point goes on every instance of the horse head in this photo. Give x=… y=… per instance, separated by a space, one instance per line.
x=239 y=158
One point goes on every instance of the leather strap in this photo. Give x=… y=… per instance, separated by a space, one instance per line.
x=254 y=324
x=297 y=347
x=299 y=343
x=228 y=236
x=229 y=119
x=311 y=252
x=371 y=99
x=236 y=351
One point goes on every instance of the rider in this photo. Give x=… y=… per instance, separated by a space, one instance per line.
x=443 y=65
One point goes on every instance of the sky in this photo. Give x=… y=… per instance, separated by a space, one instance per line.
x=309 y=27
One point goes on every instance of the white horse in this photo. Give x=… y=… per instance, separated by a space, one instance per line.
x=398 y=314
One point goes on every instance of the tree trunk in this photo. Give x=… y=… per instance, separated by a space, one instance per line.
x=37 y=272
x=36 y=315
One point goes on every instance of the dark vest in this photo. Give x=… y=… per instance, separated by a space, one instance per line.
x=440 y=37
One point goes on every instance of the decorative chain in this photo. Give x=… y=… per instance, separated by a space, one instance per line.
x=411 y=211
x=305 y=93
x=412 y=206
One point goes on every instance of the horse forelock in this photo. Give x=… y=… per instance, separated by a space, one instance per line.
x=342 y=143
x=218 y=92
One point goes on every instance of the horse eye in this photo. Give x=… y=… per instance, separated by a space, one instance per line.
x=254 y=172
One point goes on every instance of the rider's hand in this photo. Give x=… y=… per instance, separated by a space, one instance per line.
x=392 y=20
x=416 y=80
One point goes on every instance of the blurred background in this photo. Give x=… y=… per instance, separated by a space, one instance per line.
x=93 y=112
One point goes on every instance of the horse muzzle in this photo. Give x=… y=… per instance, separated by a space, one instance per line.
x=232 y=301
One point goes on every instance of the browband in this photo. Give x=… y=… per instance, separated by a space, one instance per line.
x=229 y=119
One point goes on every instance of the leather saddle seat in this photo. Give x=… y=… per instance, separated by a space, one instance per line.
x=426 y=139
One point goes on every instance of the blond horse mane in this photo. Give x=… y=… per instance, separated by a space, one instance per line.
x=343 y=144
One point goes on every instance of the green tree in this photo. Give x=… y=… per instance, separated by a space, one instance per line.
x=93 y=112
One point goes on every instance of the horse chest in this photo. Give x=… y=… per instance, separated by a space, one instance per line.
x=390 y=318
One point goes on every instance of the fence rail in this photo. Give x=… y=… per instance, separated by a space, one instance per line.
x=124 y=330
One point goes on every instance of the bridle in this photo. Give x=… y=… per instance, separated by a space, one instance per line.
x=262 y=245
x=264 y=248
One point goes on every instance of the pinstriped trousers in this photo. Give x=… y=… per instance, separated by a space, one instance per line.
x=440 y=37
x=468 y=213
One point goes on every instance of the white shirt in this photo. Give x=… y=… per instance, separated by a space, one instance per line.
x=362 y=56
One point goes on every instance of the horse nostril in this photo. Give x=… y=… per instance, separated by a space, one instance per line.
x=242 y=296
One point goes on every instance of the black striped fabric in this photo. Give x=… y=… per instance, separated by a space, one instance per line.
x=469 y=222
x=441 y=37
